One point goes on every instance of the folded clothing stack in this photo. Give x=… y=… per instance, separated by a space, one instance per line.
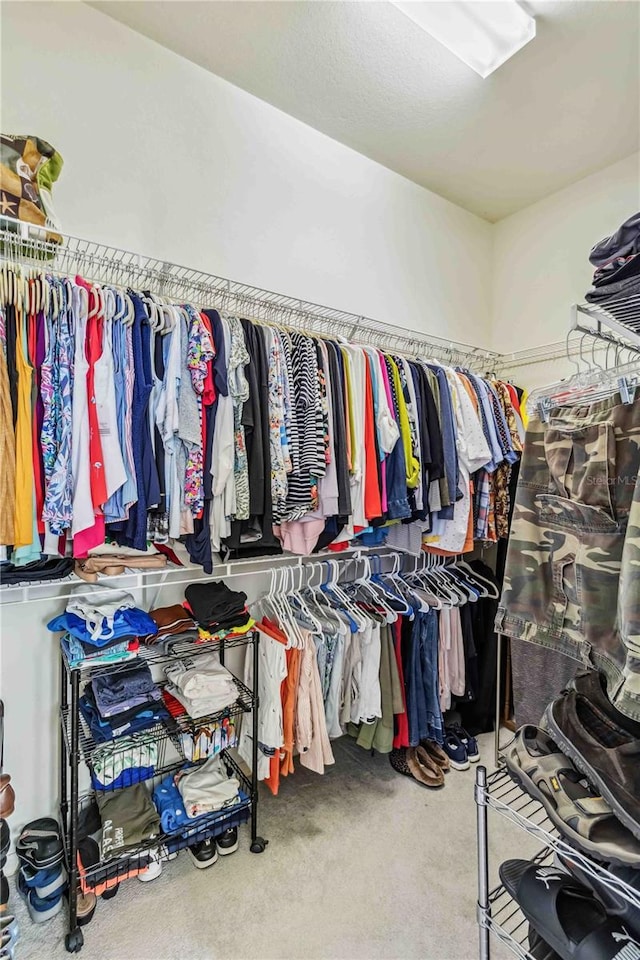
x=100 y=620
x=216 y=607
x=202 y=740
x=617 y=263
x=37 y=571
x=193 y=794
x=128 y=817
x=123 y=701
x=201 y=684
x=79 y=653
x=124 y=762
x=170 y=622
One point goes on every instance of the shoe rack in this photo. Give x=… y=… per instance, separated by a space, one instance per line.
x=78 y=748
x=499 y=917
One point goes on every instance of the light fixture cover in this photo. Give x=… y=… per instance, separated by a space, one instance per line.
x=482 y=33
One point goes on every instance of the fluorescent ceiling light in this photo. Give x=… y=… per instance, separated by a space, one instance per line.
x=482 y=33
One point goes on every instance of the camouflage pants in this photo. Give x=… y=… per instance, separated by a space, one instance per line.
x=572 y=580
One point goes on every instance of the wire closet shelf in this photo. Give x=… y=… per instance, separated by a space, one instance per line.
x=31 y=246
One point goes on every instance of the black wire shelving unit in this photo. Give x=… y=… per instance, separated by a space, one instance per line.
x=166 y=740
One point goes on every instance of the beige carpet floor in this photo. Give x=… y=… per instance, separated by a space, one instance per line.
x=362 y=863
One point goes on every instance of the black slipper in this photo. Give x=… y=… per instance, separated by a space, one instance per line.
x=566 y=915
x=615 y=903
x=538 y=948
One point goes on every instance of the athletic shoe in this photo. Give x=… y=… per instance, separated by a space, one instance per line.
x=227 y=842
x=158 y=857
x=46 y=883
x=204 y=854
x=470 y=743
x=455 y=750
x=42 y=909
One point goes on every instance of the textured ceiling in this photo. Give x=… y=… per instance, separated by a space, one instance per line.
x=566 y=105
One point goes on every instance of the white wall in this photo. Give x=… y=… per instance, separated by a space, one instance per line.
x=169 y=160
x=166 y=159
x=541 y=261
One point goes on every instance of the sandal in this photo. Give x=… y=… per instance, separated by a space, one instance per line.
x=583 y=817
x=39 y=844
x=423 y=768
x=566 y=915
x=437 y=754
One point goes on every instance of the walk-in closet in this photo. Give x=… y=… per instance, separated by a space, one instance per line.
x=319 y=454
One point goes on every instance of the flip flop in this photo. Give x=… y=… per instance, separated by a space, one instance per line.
x=582 y=816
x=567 y=915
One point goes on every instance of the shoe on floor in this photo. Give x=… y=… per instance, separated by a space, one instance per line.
x=456 y=751
x=436 y=753
x=7 y=796
x=42 y=909
x=470 y=743
x=40 y=844
x=227 y=842
x=9 y=924
x=588 y=730
x=4 y=891
x=204 y=854
x=5 y=838
x=398 y=760
x=423 y=768
x=157 y=858
x=86 y=907
x=46 y=883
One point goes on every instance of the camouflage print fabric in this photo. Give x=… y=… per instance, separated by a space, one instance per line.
x=572 y=580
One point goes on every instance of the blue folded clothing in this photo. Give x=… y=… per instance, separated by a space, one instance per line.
x=127 y=778
x=126 y=722
x=173 y=816
x=77 y=656
x=124 y=684
x=127 y=622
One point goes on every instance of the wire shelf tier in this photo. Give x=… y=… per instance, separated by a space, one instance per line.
x=622 y=314
x=114 y=870
x=159 y=734
x=512 y=802
x=100 y=263
x=185 y=645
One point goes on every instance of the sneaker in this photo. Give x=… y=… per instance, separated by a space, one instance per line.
x=204 y=854
x=455 y=750
x=46 y=883
x=42 y=909
x=158 y=857
x=470 y=743
x=227 y=842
